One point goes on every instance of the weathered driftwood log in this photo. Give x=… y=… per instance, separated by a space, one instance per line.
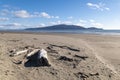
x=33 y=52
x=42 y=53
x=37 y=58
x=15 y=53
x=82 y=57
x=43 y=58
x=20 y=52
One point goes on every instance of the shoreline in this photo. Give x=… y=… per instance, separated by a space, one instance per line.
x=64 y=32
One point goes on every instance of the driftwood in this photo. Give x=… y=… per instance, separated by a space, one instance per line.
x=33 y=57
x=66 y=47
x=42 y=53
x=51 y=50
x=65 y=58
x=32 y=53
x=84 y=76
x=82 y=57
x=15 y=53
x=43 y=58
x=20 y=52
x=17 y=61
x=37 y=58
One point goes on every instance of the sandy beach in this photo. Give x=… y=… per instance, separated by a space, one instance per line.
x=72 y=56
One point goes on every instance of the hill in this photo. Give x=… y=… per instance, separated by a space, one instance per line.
x=63 y=27
x=94 y=28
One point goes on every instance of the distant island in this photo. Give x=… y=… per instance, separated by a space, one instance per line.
x=64 y=27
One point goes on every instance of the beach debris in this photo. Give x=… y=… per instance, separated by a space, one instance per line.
x=94 y=74
x=32 y=57
x=17 y=61
x=82 y=57
x=43 y=58
x=82 y=76
x=42 y=53
x=14 y=52
x=32 y=53
x=20 y=52
x=14 y=40
x=65 y=58
x=50 y=47
x=66 y=47
x=51 y=50
x=37 y=58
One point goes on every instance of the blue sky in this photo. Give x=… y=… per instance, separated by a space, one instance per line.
x=18 y=14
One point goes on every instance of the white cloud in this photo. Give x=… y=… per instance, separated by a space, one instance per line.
x=91 y=20
x=55 y=23
x=99 y=6
x=89 y=23
x=4 y=19
x=96 y=24
x=107 y=8
x=93 y=23
x=61 y=22
x=14 y=26
x=70 y=17
x=41 y=25
x=80 y=24
x=83 y=21
x=11 y=26
x=93 y=5
x=67 y=22
x=46 y=15
x=26 y=14
x=22 y=14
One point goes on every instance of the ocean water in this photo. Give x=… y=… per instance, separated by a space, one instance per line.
x=99 y=32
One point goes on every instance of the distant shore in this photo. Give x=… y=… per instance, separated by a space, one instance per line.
x=92 y=32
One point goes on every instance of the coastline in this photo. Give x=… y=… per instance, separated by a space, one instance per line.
x=91 y=32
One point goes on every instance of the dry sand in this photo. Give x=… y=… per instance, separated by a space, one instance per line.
x=72 y=57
